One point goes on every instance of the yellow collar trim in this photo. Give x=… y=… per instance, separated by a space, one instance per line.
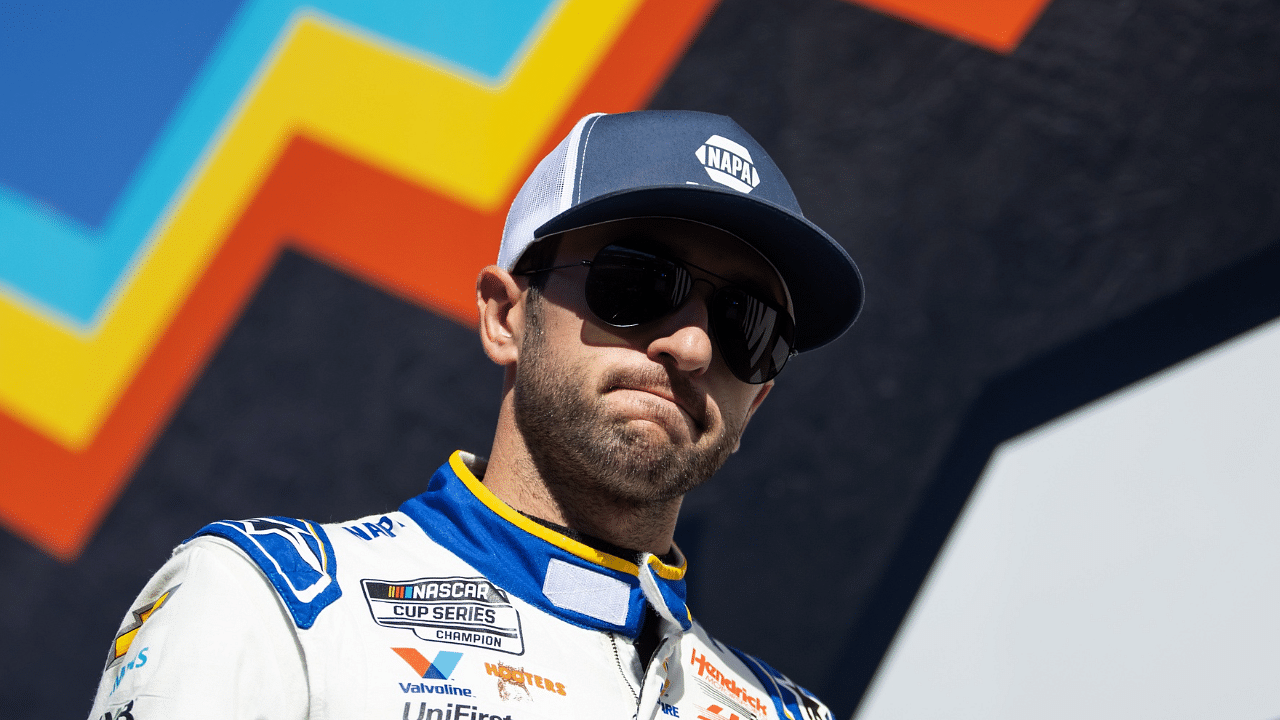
x=560 y=540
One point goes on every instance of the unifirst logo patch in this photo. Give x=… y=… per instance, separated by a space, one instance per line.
x=728 y=163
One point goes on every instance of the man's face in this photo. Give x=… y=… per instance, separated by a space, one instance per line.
x=638 y=415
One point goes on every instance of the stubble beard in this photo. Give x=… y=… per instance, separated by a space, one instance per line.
x=586 y=456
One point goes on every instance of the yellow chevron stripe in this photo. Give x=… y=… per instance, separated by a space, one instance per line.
x=343 y=88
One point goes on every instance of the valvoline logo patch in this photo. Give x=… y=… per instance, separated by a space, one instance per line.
x=728 y=163
x=439 y=669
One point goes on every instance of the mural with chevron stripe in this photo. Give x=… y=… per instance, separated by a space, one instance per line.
x=93 y=311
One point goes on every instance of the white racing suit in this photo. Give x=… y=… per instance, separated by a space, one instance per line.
x=454 y=608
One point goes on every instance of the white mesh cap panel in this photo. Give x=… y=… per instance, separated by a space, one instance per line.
x=544 y=195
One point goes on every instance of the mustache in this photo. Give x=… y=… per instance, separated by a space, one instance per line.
x=680 y=387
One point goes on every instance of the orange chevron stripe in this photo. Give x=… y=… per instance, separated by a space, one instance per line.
x=997 y=25
x=330 y=206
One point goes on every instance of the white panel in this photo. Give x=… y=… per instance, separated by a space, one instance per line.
x=1120 y=562
x=591 y=593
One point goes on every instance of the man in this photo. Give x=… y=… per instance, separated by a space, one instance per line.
x=654 y=276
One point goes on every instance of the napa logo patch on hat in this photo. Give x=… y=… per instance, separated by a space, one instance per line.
x=728 y=163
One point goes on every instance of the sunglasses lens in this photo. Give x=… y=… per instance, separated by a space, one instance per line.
x=628 y=287
x=755 y=338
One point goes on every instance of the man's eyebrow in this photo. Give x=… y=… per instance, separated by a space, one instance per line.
x=743 y=278
x=763 y=290
x=645 y=242
x=750 y=281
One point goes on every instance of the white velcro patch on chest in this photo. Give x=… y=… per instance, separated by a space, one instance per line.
x=585 y=591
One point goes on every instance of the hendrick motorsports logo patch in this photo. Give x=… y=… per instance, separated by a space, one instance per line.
x=464 y=611
x=728 y=163
x=725 y=689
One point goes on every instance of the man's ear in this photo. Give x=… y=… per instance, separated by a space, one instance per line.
x=755 y=404
x=500 y=300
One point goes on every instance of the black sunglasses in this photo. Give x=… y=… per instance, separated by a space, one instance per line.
x=628 y=287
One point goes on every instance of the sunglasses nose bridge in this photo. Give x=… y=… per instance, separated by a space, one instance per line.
x=687 y=294
x=711 y=287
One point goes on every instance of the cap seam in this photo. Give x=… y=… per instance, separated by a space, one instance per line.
x=582 y=160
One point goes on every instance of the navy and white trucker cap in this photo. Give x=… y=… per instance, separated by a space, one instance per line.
x=693 y=166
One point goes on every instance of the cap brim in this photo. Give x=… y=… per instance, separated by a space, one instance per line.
x=824 y=283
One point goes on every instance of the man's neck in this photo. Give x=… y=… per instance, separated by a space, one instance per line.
x=513 y=477
x=671 y=557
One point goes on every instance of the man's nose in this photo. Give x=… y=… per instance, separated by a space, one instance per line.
x=683 y=339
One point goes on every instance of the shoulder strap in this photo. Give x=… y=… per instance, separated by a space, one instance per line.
x=295 y=555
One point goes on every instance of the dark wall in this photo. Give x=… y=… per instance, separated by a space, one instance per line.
x=1002 y=209
x=1007 y=212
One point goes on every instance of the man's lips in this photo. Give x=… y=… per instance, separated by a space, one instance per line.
x=685 y=405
